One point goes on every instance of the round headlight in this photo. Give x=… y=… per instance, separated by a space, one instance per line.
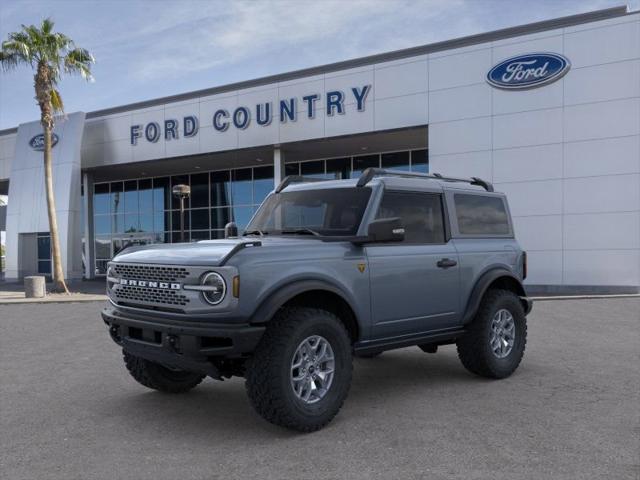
x=216 y=288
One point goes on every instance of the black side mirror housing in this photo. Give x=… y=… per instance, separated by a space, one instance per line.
x=230 y=230
x=385 y=230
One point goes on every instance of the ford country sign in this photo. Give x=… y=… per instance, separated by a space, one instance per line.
x=528 y=71
x=37 y=142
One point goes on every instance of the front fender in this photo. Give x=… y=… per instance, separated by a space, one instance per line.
x=280 y=294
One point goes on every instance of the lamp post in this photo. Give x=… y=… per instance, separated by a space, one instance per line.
x=182 y=192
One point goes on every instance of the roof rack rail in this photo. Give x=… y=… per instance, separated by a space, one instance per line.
x=372 y=172
x=297 y=179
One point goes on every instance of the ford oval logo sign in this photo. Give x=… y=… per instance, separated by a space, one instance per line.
x=37 y=142
x=528 y=71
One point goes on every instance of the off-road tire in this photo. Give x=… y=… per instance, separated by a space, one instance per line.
x=474 y=350
x=268 y=381
x=155 y=376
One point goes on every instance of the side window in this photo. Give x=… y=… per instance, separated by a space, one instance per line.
x=481 y=215
x=420 y=213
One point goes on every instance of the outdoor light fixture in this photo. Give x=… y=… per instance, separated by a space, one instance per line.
x=182 y=192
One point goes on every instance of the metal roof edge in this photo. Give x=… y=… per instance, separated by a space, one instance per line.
x=494 y=35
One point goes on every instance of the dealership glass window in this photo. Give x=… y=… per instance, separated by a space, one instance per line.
x=161 y=194
x=241 y=190
x=262 y=183
x=101 y=198
x=200 y=190
x=313 y=169
x=44 y=253
x=339 y=168
x=396 y=161
x=420 y=161
x=360 y=164
x=220 y=188
x=481 y=215
x=144 y=211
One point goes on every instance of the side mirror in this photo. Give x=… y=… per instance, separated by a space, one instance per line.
x=386 y=230
x=230 y=230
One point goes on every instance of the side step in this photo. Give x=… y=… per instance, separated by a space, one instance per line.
x=380 y=345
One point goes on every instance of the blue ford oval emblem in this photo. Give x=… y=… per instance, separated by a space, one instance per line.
x=37 y=142
x=528 y=71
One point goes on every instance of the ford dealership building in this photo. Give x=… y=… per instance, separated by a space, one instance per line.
x=549 y=112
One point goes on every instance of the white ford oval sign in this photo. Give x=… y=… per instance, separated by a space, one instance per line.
x=37 y=142
x=528 y=71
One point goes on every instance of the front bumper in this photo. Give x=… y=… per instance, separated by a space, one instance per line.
x=186 y=345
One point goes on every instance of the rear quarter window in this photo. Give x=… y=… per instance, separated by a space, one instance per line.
x=481 y=215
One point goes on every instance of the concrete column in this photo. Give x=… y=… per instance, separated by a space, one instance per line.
x=87 y=221
x=278 y=166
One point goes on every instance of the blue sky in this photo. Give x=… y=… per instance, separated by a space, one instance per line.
x=149 y=49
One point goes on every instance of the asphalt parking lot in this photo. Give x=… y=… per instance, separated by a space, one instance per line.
x=69 y=410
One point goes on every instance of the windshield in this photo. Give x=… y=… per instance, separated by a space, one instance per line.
x=326 y=212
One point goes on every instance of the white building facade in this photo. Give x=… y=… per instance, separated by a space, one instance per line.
x=548 y=112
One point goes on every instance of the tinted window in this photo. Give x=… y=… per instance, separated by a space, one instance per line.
x=330 y=211
x=420 y=213
x=481 y=215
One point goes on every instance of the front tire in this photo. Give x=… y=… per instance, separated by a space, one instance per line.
x=494 y=343
x=157 y=377
x=300 y=373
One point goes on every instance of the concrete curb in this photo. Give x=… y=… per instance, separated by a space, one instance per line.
x=54 y=299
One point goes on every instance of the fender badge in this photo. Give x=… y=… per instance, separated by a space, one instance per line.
x=361 y=267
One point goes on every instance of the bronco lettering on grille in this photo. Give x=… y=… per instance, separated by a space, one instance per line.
x=150 y=284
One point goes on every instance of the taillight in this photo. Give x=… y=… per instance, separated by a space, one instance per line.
x=524 y=265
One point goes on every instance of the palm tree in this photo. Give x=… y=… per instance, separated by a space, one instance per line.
x=50 y=55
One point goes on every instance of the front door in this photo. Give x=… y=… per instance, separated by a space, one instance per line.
x=414 y=283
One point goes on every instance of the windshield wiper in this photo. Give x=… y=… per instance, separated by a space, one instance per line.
x=255 y=232
x=300 y=231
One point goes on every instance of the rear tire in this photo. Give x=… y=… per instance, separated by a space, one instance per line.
x=318 y=342
x=496 y=338
x=157 y=377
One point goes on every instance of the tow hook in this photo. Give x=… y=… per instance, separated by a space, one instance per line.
x=172 y=341
x=114 y=331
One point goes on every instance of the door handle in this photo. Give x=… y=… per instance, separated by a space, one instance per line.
x=446 y=263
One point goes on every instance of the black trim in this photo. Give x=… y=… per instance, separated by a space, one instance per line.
x=434 y=337
x=238 y=338
x=481 y=286
x=372 y=172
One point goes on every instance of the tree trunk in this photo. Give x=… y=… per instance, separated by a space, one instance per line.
x=59 y=284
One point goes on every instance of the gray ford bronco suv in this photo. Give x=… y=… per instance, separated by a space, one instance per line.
x=324 y=271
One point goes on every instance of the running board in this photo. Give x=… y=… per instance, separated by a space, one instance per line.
x=380 y=345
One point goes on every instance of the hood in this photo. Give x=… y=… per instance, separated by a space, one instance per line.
x=206 y=253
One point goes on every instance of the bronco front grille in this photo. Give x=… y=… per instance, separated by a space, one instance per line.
x=151 y=272
x=158 y=296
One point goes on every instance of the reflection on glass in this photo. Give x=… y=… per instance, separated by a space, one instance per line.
x=241 y=186
x=291 y=169
x=200 y=219
x=117 y=198
x=420 y=161
x=362 y=163
x=146 y=222
x=313 y=169
x=220 y=217
x=200 y=190
x=161 y=194
x=242 y=215
x=161 y=221
x=262 y=183
x=103 y=247
x=102 y=224
x=131 y=223
x=44 y=267
x=145 y=195
x=220 y=189
x=101 y=198
x=44 y=247
x=396 y=161
x=197 y=235
x=339 y=168
x=131 y=196
x=117 y=223
x=175 y=220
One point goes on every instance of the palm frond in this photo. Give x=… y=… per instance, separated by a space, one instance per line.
x=79 y=61
x=56 y=101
